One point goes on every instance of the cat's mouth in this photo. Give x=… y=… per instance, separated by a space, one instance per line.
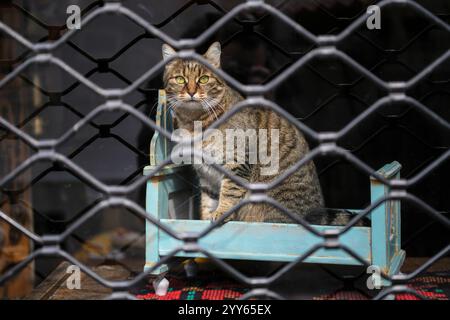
x=192 y=105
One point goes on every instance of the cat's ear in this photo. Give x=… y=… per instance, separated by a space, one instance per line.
x=167 y=51
x=213 y=54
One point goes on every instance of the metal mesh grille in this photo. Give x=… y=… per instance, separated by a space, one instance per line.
x=325 y=45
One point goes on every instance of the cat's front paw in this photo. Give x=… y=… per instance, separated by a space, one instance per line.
x=216 y=215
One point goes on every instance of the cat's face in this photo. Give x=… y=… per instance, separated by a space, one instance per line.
x=189 y=85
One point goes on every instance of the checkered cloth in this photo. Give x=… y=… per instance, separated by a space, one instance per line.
x=217 y=287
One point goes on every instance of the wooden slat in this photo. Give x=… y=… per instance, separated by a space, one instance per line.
x=54 y=287
x=266 y=241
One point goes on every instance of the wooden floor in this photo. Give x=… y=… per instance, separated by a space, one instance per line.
x=55 y=287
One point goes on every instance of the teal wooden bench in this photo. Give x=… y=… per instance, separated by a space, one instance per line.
x=378 y=244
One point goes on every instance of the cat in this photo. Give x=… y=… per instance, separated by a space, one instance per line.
x=196 y=93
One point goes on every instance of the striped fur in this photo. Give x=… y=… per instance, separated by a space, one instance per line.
x=192 y=101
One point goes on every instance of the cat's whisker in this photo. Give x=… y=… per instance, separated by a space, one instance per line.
x=153 y=107
x=211 y=108
x=205 y=106
x=173 y=105
x=215 y=106
x=220 y=107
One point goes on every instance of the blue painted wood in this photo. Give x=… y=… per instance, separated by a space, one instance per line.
x=385 y=222
x=267 y=241
x=160 y=147
x=395 y=230
x=378 y=244
x=156 y=205
x=378 y=228
x=158 y=187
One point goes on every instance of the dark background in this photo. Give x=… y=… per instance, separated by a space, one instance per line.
x=326 y=94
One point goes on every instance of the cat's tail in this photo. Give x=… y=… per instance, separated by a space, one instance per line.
x=333 y=217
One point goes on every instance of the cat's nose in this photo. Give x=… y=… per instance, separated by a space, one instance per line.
x=191 y=94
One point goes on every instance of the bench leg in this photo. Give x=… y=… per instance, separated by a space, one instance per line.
x=385 y=227
x=396 y=264
x=157 y=208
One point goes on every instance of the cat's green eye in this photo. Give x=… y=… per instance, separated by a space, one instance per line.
x=180 y=80
x=203 y=79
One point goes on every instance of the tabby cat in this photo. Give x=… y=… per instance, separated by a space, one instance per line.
x=195 y=93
